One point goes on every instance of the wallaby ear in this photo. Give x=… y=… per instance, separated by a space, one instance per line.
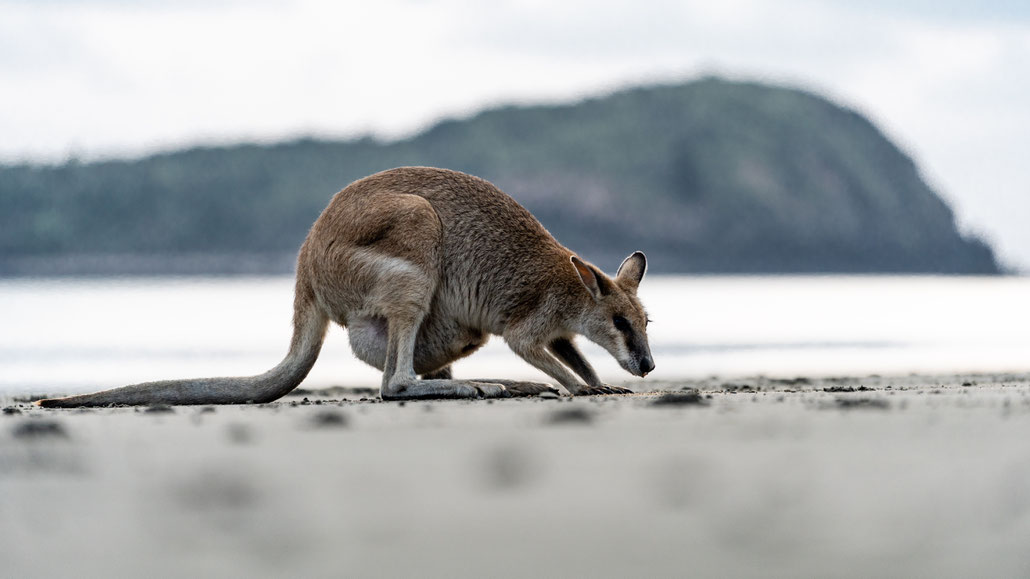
x=632 y=270
x=587 y=276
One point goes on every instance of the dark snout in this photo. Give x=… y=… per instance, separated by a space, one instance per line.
x=646 y=365
x=641 y=363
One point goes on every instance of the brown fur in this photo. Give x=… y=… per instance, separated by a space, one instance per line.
x=422 y=265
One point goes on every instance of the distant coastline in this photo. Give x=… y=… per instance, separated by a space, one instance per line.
x=708 y=176
x=283 y=263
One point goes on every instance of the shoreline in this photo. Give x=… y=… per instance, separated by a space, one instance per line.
x=715 y=384
x=847 y=476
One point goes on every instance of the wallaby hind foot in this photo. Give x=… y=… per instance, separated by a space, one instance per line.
x=520 y=387
x=437 y=388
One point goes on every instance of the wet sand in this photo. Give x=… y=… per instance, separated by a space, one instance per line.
x=916 y=476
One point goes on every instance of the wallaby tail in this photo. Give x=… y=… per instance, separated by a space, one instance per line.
x=309 y=327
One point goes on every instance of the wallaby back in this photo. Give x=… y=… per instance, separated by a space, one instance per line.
x=497 y=261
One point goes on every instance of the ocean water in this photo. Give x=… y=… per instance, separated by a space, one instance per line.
x=74 y=335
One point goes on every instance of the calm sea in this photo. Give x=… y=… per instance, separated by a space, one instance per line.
x=82 y=334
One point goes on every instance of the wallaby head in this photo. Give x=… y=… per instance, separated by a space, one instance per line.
x=615 y=320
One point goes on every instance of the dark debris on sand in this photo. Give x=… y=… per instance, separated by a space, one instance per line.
x=329 y=419
x=510 y=467
x=799 y=381
x=680 y=399
x=12 y=410
x=574 y=415
x=734 y=388
x=160 y=409
x=39 y=429
x=846 y=389
x=308 y=402
x=860 y=403
x=239 y=433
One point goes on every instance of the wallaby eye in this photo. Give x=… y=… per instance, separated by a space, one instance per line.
x=621 y=324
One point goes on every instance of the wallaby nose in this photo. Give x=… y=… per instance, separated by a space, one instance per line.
x=646 y=365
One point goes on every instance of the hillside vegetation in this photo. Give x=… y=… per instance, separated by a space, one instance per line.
x=706 y=176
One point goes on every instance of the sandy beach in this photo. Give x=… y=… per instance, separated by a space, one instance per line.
x=914 y=476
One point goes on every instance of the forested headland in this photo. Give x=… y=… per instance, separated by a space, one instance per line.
x=706 y=176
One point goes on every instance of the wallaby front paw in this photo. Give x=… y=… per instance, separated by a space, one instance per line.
x=601 y=390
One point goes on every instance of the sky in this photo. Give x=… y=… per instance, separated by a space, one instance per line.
x=949 y=81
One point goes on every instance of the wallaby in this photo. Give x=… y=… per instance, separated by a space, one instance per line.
x=421 y=265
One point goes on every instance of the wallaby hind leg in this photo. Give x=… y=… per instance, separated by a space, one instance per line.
x=437 y=346
x=405 y=264
x=400 y=381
